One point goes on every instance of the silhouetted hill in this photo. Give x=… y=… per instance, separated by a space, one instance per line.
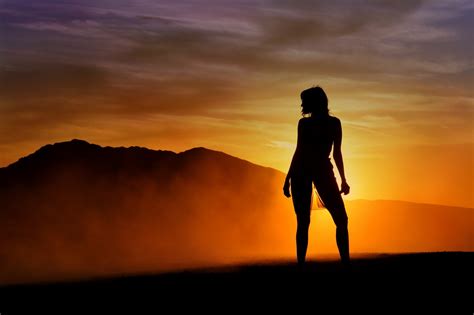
x=75 y=210
x=72 y=208
x=52 y=158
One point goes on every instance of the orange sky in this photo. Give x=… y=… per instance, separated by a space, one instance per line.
x=227 y=76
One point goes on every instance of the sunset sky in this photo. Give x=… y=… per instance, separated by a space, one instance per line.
x=226 y=75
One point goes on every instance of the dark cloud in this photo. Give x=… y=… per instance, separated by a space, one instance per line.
x=288 y=22
x=41 y=96
x=38 y=98
x=327 y=38
x=49 y=80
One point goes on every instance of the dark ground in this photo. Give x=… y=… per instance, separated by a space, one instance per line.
x=430 y=282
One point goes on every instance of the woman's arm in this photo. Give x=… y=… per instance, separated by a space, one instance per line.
x=294 y=161
x=337 y=155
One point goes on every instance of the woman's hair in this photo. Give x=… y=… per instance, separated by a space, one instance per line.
x=314 y=101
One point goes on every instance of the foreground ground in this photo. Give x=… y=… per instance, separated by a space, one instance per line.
x=430 y=281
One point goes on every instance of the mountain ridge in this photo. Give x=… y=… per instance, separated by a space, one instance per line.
x=80 y=143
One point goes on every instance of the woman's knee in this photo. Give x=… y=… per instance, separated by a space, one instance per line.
x=339 y=216
x=303 y=220
x=342 y=221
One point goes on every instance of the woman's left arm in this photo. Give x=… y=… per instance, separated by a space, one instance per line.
x=294 y=161
x=337 y=155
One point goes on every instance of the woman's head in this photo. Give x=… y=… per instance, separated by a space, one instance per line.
x=314 y=101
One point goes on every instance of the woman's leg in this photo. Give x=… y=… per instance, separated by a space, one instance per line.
x=301 y=195
x=342 y=239
x=339 y=217
x=331 y=197
x=302 y=229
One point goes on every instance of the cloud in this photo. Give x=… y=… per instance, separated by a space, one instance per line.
x=267 y=38
x=84 y=28
x=48 y=94
x=285 y=22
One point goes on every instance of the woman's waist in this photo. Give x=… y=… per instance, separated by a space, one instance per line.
x=317 y=166
x=316 y=162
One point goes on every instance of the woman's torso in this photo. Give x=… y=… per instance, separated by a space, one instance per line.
x=316 y=139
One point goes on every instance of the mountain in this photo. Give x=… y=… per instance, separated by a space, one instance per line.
x=75 y=209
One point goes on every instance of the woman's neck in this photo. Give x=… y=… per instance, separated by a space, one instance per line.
x=313 y=116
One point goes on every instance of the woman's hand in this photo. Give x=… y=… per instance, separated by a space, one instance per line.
x=345 y=188
x=286 y=188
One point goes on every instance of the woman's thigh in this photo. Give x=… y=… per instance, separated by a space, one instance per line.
x=328 y=191
x=301 y=190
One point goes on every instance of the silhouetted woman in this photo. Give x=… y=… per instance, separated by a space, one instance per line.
x=318 y=132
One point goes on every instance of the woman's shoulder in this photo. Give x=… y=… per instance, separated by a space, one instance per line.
x=334 y=120
x=304 y=121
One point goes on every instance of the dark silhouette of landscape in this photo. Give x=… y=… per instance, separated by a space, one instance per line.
x=436 y=282
x=75 y=209
x=176 y=223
